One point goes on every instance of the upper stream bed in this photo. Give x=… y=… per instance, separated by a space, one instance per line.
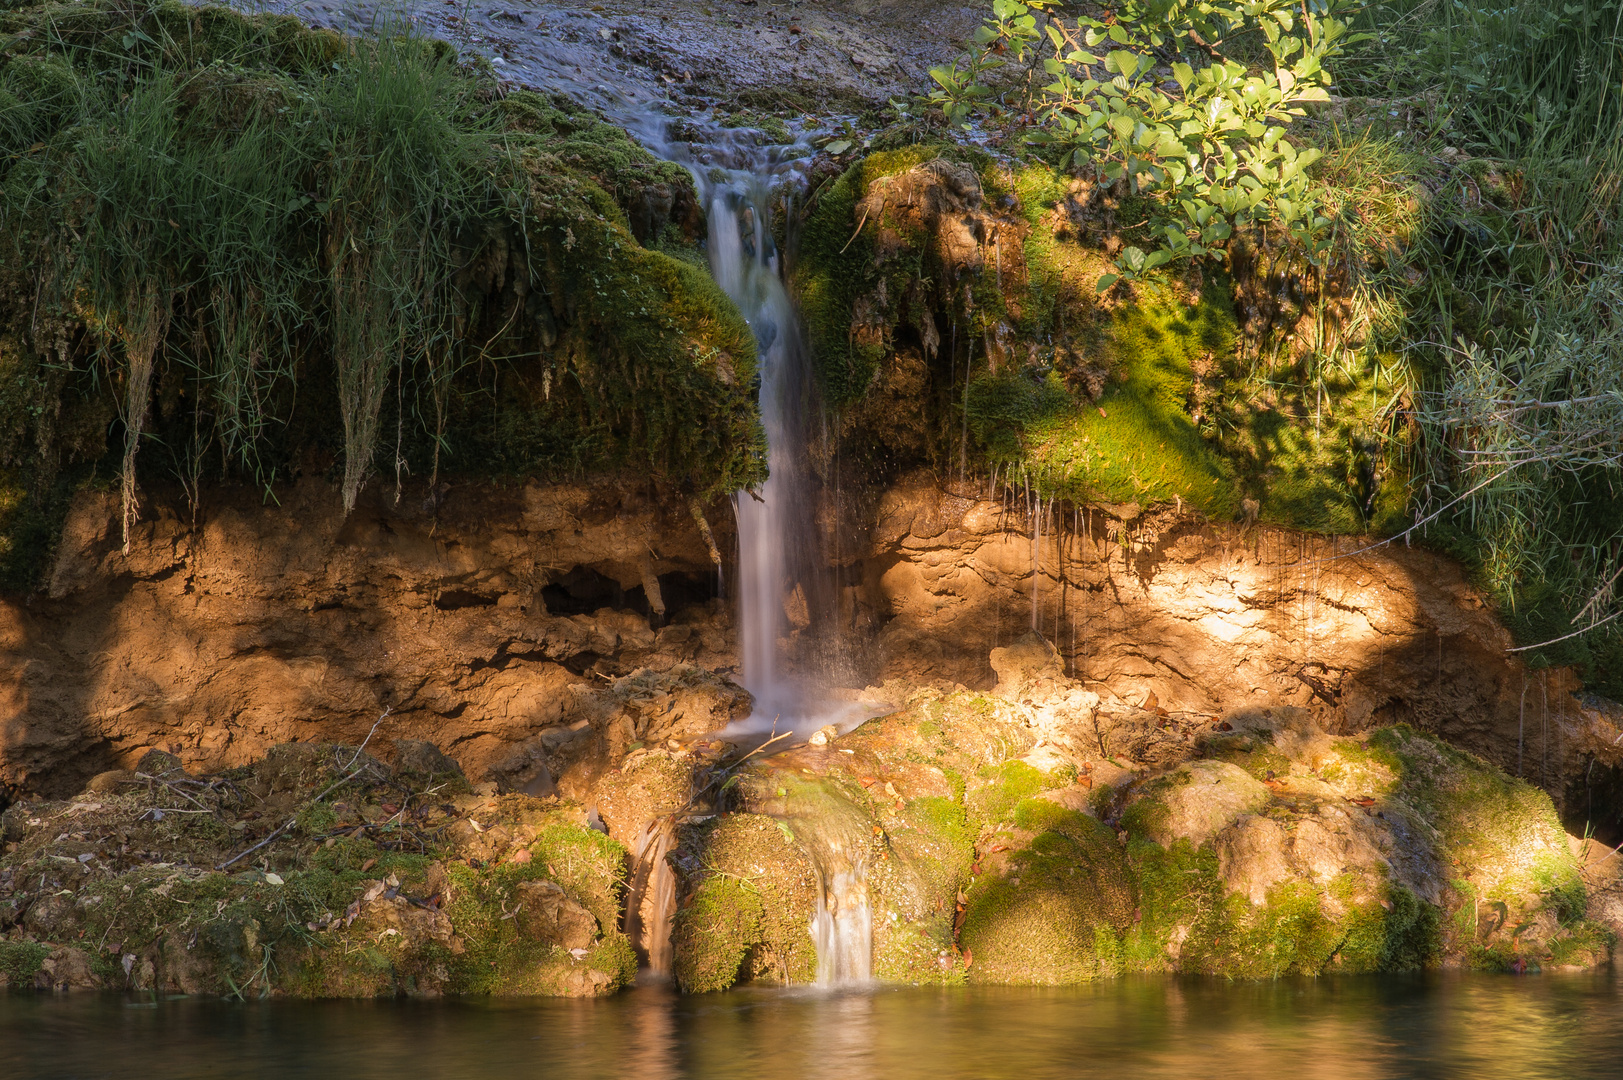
x=1349 y=1028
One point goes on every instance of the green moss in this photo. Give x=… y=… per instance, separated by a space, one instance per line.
x=1138 y=442
x=837 y=266
x=236 y=197
x=1504 y=831
x=750 y=894
x=1253 y=753
x=930 y=856
x=1057 y=912
x=1002 y=789
x=1190 y=922
x=717 y=929
x=1401 y=934
x=497 y=958
x=20 y=961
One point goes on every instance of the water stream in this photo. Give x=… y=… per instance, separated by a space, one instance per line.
x=781 y=584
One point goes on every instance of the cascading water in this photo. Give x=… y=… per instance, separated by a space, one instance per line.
x=779 y=581
x=779 y=584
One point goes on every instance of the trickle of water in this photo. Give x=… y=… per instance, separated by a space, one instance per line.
x=651 y=893
x=843 y=928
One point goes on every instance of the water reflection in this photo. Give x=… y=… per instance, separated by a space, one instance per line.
x=1434 y=1026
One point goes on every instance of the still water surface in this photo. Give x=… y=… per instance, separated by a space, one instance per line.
x=1440 y=1025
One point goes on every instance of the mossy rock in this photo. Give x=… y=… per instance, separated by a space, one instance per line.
x=931 y=851
x=1001 y=789
x=506 y=283
x=1055 y=910
x=1193 y=802
x=749 y=893
x=20 y=961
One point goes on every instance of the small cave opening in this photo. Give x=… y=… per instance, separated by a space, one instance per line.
x=1594 y=805
x=583 y=590
x=457 y=599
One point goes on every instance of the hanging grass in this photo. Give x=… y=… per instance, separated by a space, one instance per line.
x=237 y=243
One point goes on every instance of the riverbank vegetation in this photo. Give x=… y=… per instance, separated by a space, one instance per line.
x=238 y=247
x=1398 y=226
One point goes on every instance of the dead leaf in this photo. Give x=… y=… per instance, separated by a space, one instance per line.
x=368 y=864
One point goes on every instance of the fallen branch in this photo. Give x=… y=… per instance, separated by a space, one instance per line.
x=334 y=786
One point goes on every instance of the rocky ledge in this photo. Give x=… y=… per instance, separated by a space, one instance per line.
x=1033 y=833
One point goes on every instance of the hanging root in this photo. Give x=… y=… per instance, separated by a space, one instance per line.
x=704 y=529
x=148 y=319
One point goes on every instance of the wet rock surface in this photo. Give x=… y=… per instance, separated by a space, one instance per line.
x=769 y=56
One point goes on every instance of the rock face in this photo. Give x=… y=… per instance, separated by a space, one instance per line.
x=1194 y=618
x=539 y=632
x=500 y=624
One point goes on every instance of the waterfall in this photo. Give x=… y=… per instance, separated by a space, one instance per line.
x=782 y=587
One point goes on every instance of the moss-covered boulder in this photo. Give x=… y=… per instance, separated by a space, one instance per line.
x=1051 y=901
x=749 y=891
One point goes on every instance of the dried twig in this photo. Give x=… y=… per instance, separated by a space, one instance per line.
x=334 y=786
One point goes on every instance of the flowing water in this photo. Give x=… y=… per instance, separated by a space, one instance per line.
x=1433 y=1027
x=781 y=584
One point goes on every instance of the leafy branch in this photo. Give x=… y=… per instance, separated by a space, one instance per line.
x=1148 y=98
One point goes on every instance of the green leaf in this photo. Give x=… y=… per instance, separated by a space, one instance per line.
x=1107 y=280
x=838 y=146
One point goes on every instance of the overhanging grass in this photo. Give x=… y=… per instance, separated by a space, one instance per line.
x=235 y=242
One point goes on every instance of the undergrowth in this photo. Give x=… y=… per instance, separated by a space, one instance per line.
x=235 y=243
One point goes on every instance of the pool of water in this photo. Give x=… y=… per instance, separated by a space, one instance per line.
x=1438 y=1025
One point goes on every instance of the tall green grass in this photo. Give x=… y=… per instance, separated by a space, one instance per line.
x=235 y=241
x=1512 y=308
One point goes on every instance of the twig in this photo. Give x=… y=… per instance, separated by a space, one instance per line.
x=294 y=820
x=1575 y=633
x=728 y=771
x=386 y=711
x=858 y=233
